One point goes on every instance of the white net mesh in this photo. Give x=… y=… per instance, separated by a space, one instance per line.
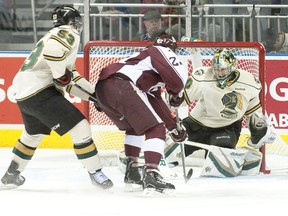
x=100 y=54
x=250 y=57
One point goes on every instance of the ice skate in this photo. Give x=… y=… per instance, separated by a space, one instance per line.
x=153 y=181
x=12 y=177
x=101 y=180
x=133 y=176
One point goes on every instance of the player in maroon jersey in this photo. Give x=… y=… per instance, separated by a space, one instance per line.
x=129 y=92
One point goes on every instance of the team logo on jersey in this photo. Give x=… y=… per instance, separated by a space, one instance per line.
x=231 y=100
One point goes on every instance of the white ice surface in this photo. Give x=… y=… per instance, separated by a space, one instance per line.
x=57 y=185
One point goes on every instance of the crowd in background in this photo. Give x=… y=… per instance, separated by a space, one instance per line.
x=175 y=25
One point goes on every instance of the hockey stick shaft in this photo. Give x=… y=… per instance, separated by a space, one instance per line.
x=84 y=91
x=177 y=119
x=189 y=175
x=200 y=145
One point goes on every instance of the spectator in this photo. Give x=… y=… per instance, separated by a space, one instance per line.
x=174 y=25
x=152 y=26
x=8 y=19
x=152 y=23
x=281 y=43
x=171 y=25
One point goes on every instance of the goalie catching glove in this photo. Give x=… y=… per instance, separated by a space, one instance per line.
x=178 y=134
x=261 y=132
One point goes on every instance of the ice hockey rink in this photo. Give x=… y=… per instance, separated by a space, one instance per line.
x=57 y=185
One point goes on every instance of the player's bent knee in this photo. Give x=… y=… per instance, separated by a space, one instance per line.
x=31 y=140
x=81 y=133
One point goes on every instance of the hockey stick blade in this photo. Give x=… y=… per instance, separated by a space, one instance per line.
x=173 y=164
x=186 y=177
x=189 y=175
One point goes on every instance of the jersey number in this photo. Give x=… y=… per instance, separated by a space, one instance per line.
x=174 y=61
x=66 y=35
x=32 y=59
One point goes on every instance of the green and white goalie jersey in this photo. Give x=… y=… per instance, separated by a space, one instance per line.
x=217 y=107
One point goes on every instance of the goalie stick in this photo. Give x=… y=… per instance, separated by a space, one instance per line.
x=190 y=172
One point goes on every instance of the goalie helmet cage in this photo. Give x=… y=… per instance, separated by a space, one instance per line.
x=99 y=54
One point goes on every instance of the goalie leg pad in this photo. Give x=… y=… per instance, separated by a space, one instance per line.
x=252 y=162
x=223 y=162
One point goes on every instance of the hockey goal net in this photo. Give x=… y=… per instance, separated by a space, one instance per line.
x=99 y=54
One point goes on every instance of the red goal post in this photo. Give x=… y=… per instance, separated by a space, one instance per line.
x=99 y=54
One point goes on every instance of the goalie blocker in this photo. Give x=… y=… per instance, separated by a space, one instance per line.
x=261 y=131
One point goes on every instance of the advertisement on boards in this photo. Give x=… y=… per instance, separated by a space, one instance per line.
x=276 y=88
x=9 y=66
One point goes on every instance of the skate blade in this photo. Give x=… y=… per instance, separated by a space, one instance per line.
x=168 y=191
x=8 y=186
x=151 y=191
x=133 y=187
x=102 y=188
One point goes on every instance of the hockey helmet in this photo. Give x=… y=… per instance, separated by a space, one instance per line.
x=166 y=40
x=67 y=15
x=223 y=64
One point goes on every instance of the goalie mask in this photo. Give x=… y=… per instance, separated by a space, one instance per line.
x=223 y=64
x=67 y=15
x=166 y=40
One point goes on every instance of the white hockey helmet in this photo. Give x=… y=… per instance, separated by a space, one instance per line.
x=223 y=64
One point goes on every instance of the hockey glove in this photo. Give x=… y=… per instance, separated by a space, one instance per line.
x=176 y=100
x=94 y=100
x=178 y=135
x=261 y=132
x=65 y=79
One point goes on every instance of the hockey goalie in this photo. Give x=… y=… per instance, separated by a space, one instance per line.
x=224 y=95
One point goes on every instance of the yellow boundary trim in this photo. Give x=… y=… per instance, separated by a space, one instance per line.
x=9 y=137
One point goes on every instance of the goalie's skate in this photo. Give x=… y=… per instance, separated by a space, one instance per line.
x=100 y=179
x=153 y=181
x=133 y=176
x=12 y=177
